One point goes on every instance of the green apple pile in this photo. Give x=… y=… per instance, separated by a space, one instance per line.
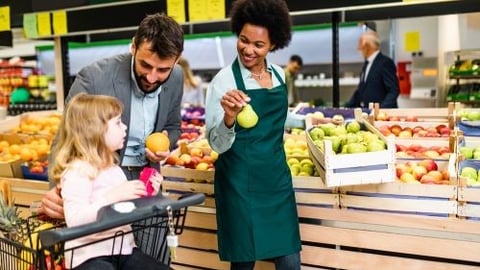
x=469 y=115
x=295 y=147
x=346 y=138
x=470 y=152
x=303 y=167
x=471 y=174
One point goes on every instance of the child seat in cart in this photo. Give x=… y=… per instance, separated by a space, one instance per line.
x=44 y=250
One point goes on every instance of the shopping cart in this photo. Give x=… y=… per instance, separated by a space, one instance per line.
x=160 y=215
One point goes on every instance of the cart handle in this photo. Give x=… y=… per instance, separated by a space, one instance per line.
x=108 y=217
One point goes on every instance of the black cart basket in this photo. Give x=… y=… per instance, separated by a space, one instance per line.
x=155 y=217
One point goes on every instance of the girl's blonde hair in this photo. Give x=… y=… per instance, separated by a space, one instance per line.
x=81 y=134
x=188 y=77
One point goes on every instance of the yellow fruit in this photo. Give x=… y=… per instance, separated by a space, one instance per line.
x=157 y=142
x=26 y=254
x=247 y=118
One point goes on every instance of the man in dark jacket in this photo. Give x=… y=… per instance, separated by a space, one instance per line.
x=378 y=79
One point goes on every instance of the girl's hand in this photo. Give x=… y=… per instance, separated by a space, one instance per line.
x=128 y=190
x=156 y=181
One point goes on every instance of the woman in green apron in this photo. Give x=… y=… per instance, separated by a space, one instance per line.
x=256 y=210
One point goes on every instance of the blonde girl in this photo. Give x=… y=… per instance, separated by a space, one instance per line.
x=86 y=169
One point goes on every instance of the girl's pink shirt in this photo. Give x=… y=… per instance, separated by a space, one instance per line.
x=82 y=198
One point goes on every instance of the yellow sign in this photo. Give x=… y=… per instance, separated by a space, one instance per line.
x=5 y=18
x=204 y=10
x=412 y=41
x=44 y=25
x=197 y=10
x=60 y=22
x=30 y=25
x=176 y=10
x=216 y=9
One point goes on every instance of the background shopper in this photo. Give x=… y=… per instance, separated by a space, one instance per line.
x=378 y=78
x=291 y=70
x=192 y=87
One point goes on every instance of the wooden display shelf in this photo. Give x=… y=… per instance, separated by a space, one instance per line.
x=24 y=192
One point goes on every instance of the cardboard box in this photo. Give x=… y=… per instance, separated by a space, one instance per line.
x=11 y=169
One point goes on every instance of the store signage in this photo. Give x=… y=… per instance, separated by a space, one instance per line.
x=176 y=10
x=206 y=10
x=60 y=22
x=30 y=25
x=4 y=18
x=44 y=25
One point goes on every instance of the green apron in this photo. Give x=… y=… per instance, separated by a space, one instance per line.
x=255 y=202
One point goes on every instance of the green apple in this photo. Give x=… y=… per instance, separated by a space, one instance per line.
x=339 y=130
x=356 y=148
x=473 y=115
x=303 y=174
x=307 y=168
x=476 y=155
x=317 y=133
x=306 y=161
x=327 y=128
x=292 y=161
x=469 y=172
x=467 y=152
x=352 y=138
x=295 y=169
x=375 y=145
x=353 y=127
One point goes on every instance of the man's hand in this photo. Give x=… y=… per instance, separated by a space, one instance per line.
x=52 y=204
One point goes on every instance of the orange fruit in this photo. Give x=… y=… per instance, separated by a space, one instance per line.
x=158 y=142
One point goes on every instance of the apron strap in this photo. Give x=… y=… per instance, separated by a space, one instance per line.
x=238 y=75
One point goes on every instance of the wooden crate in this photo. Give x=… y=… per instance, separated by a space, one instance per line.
x=424 y=115
x=468 y=196
x=402 y=198
x=353 y=169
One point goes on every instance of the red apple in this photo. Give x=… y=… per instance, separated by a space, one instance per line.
x=171 y=160
x=431 y=154
x=196 y=152
x=396 y=129
x=429 y=164
x=202 y=166
x=382 y=116
x=418 y=172
x=407 y=177
x=402 y=168
x=428 y=179
x=405 y=134
x=417 y=129
x=436 y=175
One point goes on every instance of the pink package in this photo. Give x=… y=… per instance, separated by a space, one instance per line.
x=145 y=175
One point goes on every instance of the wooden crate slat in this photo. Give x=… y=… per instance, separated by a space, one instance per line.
x=187 y=186
x=408 y=206
x=317 y=198
x=199 y=239
x=200 y=258
x=200 y=220
x=387 y=219
x=398 y=188
x=466 y=194
x=180 y=172
x=343 y=259
x=310 y=183
x=469 y=210
x=403 y=243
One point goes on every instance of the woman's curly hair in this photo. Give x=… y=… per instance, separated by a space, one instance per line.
x=271 y=14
